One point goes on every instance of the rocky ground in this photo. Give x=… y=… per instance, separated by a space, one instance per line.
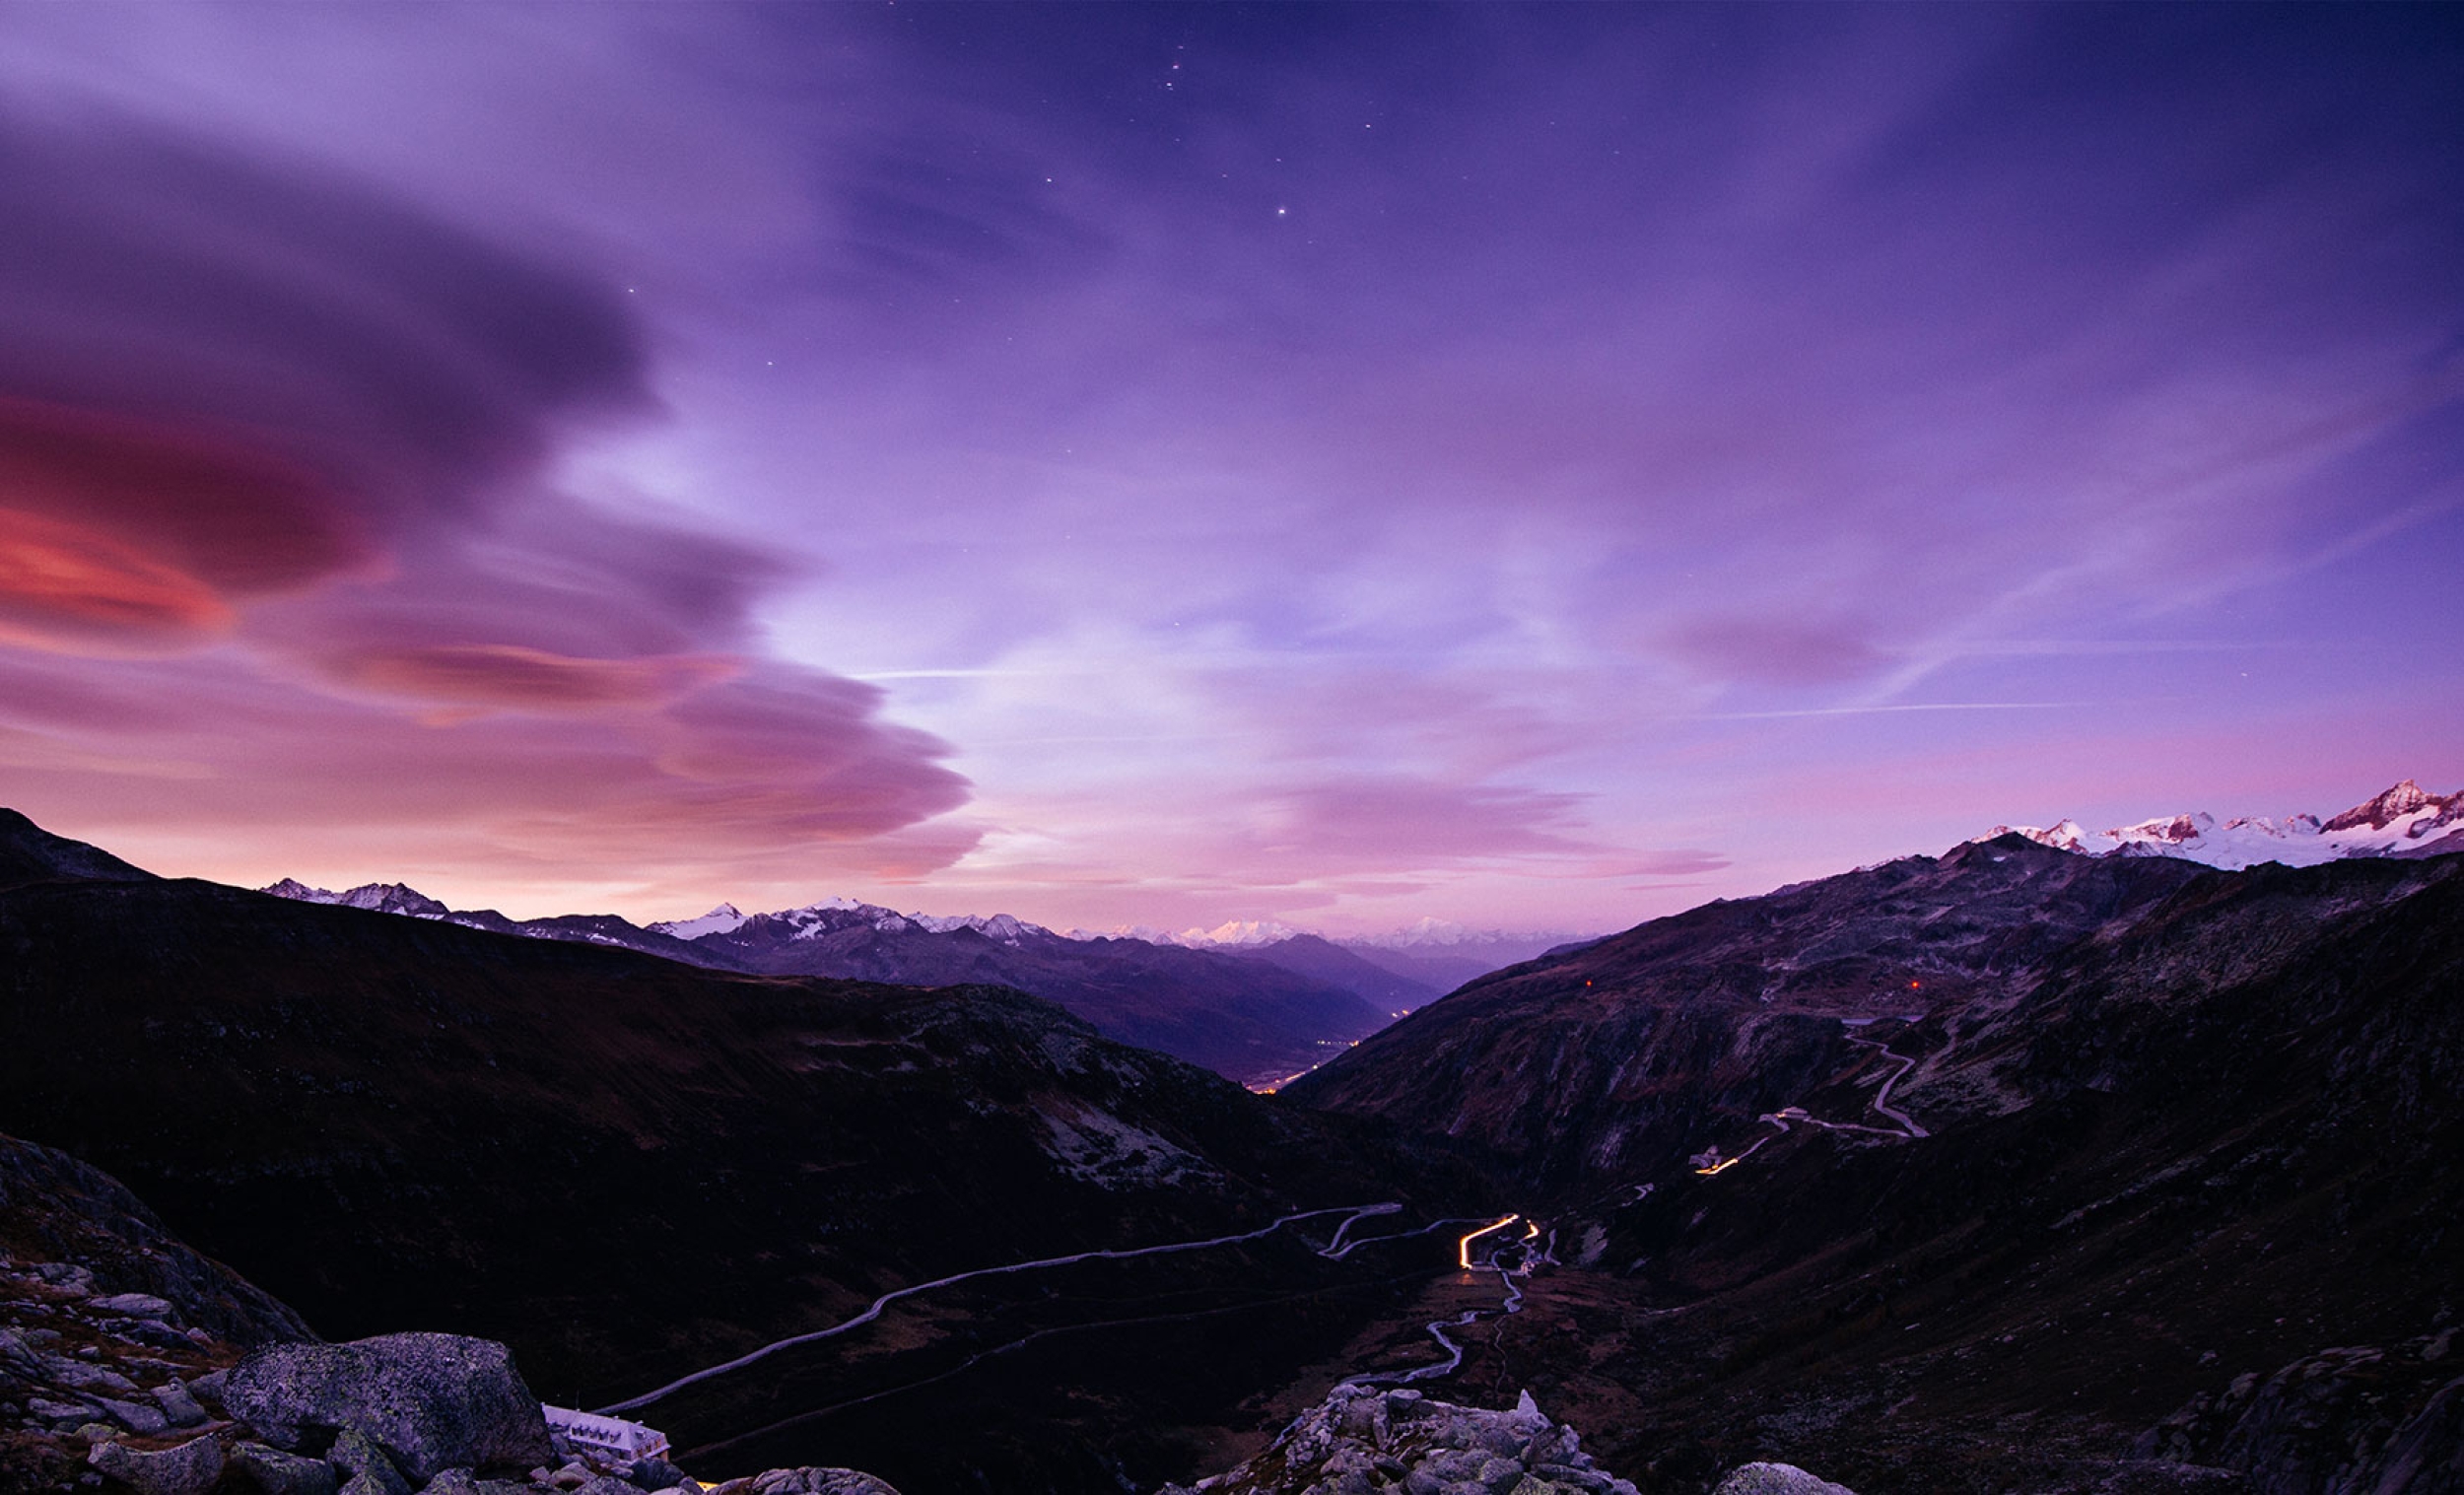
x=130 y=1362
x=1367 y=1441
x=401 y=1414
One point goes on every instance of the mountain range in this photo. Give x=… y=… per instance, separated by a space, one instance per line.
x=2017 y=1168
x=2404 y=820
x=1257 y=1014
x=2009 y=1169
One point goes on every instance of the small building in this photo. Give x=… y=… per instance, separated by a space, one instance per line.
x=612 y=1436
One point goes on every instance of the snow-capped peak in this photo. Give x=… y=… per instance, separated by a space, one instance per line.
x=381 y=896
x=2062 y=836
x=2177 y=830
x=724 y=920
x=1238 y=931
x=2398 y=821
x=2388 y=806
x=1007 y=928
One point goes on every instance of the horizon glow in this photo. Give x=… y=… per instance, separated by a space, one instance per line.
x=1530 y=467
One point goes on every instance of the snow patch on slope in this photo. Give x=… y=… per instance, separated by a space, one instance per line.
x=1108 y=1152
x=724 y=920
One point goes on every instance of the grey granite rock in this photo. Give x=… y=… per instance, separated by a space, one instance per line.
x=806 y=1481
x=188 y=1469
x=276 y=1472
x=136 y=1416
x=1362 y=1441
x=1776 y=1480
x=432 y=1401
x=178 y=1405
x=133 y=1305
x=52 y=1409
x=355 y=1456
x=656 y=1474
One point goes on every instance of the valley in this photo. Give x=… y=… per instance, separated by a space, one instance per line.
x=2011 y=1167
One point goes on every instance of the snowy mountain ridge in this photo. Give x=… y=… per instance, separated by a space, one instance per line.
x=1428 y=935
x=2404 y=820
x=816 y=919
x=381 y=896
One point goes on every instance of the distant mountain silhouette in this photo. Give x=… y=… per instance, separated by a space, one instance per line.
x=1254 y=1020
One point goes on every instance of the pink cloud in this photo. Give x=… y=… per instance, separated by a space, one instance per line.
x=272 y=457
x=511 y=675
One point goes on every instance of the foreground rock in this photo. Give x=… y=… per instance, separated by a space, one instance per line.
x=85 y=1234
x=124 y=1366
x=2356 y=1419
x=1777 y=1480
x=1362 y=1440
x=813 y=1481
x=187 y=1470
x=431 y=1402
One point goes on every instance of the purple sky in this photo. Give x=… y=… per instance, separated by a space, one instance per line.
x=1536 y=467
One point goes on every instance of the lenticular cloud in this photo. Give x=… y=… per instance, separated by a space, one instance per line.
x=272 y=442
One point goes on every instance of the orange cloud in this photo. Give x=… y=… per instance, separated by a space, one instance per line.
x=511 y=676
x=119 y=534
x=68 y=587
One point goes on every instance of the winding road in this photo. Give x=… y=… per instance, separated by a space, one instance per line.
x=1336 y=1249
x=1905 y=1128
x=1437 y=1328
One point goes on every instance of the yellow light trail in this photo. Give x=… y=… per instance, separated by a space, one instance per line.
x=1462 y=1248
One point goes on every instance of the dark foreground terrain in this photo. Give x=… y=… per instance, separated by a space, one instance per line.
x=2010 y=1170
x=629 y=1168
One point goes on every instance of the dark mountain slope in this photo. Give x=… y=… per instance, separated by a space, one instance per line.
x=2177 y=1134
x=1246 y=1019
x=29 y=853
x=1323 y=959
x=1440 y=973
x=628 y=1167
x=1601 y=1064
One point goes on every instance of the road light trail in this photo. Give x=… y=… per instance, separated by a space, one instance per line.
x=1462 y=1248
x=1353 y=1212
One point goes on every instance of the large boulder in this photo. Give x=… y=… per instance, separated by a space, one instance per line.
x=188 y=1469
x=430 y=1401
x=276 y=1472
x=806 y=1481
x=1776 y=1480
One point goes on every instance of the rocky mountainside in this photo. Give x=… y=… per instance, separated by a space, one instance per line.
x=629 y=1168
x=2404 y=820
x=1253 y=1020
x=1607 y=1064
x=2011 y=1169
